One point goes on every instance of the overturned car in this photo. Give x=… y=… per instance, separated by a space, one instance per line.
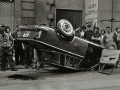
x=59 y=46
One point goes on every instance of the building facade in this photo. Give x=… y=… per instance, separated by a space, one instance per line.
x=7 y=13
x=103 y=13
x=16 y=12
x=51 y=11
x=99 y=13
x=25 y=12
x=31 y=12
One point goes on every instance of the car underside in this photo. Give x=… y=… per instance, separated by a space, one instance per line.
x=60 y=47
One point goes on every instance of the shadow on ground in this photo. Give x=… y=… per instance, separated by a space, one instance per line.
x=63 y=71
x=21 y=77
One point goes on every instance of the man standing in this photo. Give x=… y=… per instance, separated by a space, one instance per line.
x=88 y=33
x=109 y=39
x=6 y=47
x=96 y=36
x=19 y=52
x=118 y=39
x=77 y=31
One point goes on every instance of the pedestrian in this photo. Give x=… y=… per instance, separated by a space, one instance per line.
x=29 y=53
x=101 y=38
x=88 y=33
x=7 y=30
x=83 y=31
x=3 y=26
x=115 y=35
x=37 y=64
x=109 y=38
x=118 y=38
x=18 y=48
x=96 y=35
x=6 y=50
x=77 y=31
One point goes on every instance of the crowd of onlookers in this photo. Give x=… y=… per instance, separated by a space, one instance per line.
x=106 y=37
x=9 y=46
x=12 y=52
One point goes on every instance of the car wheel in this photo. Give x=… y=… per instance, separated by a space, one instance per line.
x=65 y=28
x=111 y=45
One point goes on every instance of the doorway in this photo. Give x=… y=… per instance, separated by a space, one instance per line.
x=73 y=16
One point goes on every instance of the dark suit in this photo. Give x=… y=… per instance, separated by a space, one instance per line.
x=19 y=52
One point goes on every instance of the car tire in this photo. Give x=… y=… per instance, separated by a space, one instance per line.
x=65 y=28
x=111 y=45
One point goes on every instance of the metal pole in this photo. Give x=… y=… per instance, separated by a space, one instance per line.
x=112 y=17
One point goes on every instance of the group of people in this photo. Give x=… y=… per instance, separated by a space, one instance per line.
x=106 y=38
x=6 y=48
x=9 y=47
x=8 y=44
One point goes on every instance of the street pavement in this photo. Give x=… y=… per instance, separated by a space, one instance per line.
x=50 y=78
